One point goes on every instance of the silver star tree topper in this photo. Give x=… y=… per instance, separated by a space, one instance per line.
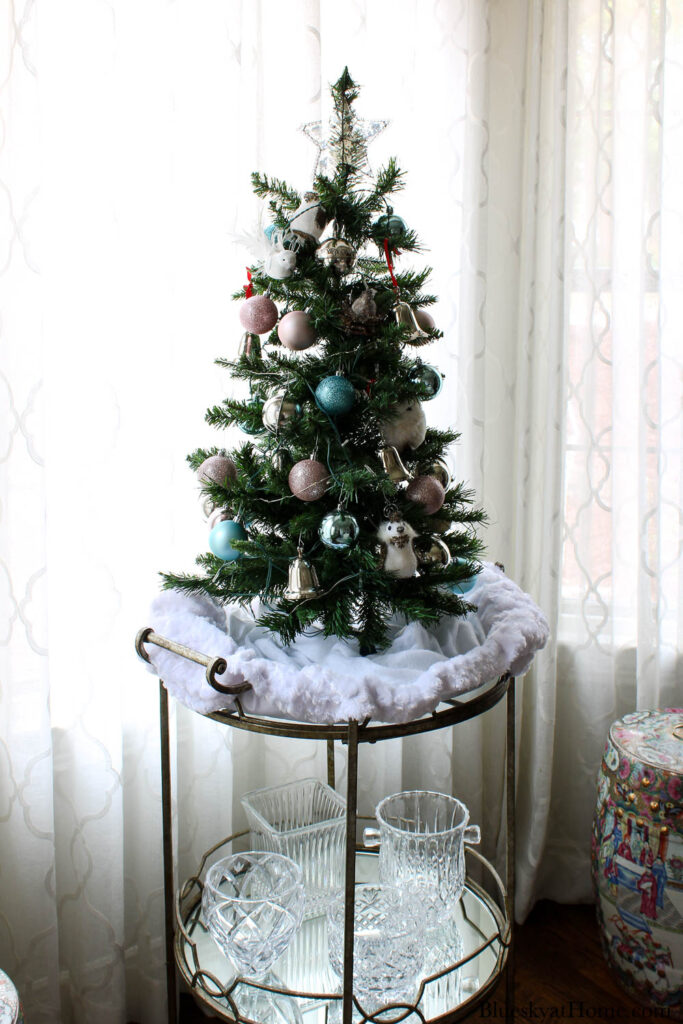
x=347 y=137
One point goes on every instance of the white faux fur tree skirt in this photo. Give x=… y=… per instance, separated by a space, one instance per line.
x=325 y=680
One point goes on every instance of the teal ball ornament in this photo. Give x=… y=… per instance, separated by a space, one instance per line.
x=389 y=226
x=255 y=426
x=335 y=396
x=339 y=530
x=222 y=536
x=275 y=234
x=466 y=585
x=430 y=378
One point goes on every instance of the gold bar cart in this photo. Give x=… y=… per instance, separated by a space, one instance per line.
x=487 y=917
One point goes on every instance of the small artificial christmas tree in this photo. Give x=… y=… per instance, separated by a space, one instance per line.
x=338 y=511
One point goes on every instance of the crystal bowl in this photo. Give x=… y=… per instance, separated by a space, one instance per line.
x=388 y=951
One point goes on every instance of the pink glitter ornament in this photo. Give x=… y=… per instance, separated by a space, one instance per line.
x=426 y=491
x=258 y=314
x=217 y=469
x=308 y=479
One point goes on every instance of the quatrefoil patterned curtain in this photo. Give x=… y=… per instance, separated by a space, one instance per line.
x=543 y=141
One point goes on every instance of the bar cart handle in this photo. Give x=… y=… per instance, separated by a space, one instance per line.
x=472 y=834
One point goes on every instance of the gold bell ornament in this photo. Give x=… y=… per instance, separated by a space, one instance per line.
x=303 y=579
x=393 y=466
x=249 y=346
x=280 y=459
x=405 y=317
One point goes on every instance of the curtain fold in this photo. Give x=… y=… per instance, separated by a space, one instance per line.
x=543 y=145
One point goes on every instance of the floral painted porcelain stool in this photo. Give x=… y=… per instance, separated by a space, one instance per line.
x=637 y=856
x=10 y=1007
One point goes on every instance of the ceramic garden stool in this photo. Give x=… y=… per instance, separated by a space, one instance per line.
x=10 y=1007
x=637 y=856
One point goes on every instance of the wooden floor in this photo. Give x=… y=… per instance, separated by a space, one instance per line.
x=561 y=975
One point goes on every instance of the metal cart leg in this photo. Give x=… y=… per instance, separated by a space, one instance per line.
x=167 y=824
x=351 y=809
x=330 y=763
x=510 y=746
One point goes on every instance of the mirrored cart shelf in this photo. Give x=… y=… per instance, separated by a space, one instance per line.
x=458 y=974
x=465 y=963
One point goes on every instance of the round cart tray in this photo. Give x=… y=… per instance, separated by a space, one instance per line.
x=451 y=991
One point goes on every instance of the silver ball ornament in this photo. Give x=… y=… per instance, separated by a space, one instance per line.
x=278 y=411
x=338 y=254
x=432 y=552
x=258 y=314
x=308 y=479
x=389 y=226
x=339 y=530
x=217 y=469
x=440 y=471
x=295 y=331
x=426 y=491
x=429 y=377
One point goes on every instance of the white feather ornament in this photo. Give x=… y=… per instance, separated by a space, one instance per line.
x=276 y=250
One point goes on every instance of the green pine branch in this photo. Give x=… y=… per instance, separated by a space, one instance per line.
x=266 y=187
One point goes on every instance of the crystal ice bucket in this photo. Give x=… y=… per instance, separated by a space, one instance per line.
x=305 y=821
x=421 y=839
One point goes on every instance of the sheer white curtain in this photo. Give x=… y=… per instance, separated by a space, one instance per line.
x=547 y=137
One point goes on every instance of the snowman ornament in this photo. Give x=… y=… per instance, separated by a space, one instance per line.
x=397 y=556
x=407 y=428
